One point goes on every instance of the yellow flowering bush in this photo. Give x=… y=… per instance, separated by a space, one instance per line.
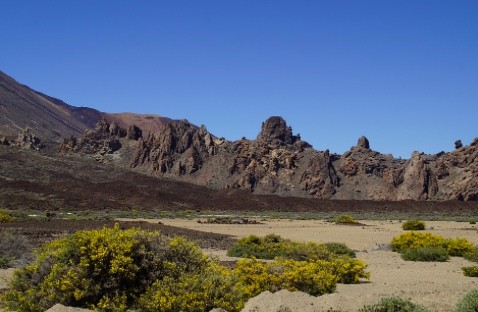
x=118 y=270
x=5 y=216
x=412 y=240
x=102 y=269
x=416 y=246
x=199 y=292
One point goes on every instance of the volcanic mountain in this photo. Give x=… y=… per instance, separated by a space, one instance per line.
x=52 y=119
x=277 y=162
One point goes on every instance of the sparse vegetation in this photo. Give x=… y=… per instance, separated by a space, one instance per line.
x=414 y=225
x=13 y=248
x=111 y=269
x=394 y=304
x=469 y=303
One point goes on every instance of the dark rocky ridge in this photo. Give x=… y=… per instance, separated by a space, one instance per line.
x=278 y=162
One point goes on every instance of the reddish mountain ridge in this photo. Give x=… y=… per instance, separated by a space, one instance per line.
x=52 y=119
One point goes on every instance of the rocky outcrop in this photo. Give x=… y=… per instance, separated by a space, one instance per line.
x=105 y=138
x=179 y=149
x=26 y=139
x=279 y=162
x=275 y=130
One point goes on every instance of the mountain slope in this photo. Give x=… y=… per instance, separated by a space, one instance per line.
x=52 y=119
x=49 y=118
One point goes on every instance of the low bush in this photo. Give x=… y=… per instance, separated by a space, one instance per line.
x=414 y=225
x=394 y=304
x=340 y=249
x=216 y=287
x=471 y=255
x=5 y=216
x=102 y=269
x=345 y=219
x=469 y=303
x=471 y=271
x=458 y=247
x=118 y=270
x=273 y=246
x=437 y=254
x=416 y=240
x=13 y=248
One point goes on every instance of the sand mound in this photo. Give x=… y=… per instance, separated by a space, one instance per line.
x=61 y=308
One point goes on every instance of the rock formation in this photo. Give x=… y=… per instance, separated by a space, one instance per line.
x=279 y=162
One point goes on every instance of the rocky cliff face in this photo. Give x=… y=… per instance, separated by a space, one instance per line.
x=279 y=162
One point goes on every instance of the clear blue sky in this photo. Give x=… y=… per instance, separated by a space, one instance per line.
x=402 y=73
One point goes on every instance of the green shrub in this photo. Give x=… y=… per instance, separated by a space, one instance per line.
x=469 y=303
x=5 y=216
x=345 y=219
x=340 y=249
x=394 y=304
x=102 y=269
x=413 y=225
x=273 y=246
x=470 y=271
x=437 y=254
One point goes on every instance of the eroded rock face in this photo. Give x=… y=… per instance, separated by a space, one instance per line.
x=179 y=149
x=27 y=139
x=279 y=162
x=103 y=139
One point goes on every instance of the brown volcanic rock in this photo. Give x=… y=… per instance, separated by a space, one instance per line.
x=278 y=162
x=103 y=139
x=178 y=149
x=275 y=130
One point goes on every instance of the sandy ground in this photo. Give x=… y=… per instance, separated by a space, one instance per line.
x=438 y=286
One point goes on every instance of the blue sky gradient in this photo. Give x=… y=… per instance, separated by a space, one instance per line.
x=402 y=73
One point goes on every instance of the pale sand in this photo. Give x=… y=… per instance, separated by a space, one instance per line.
x=438 y=286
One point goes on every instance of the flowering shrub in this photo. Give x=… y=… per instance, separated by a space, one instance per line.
x=5 y=216
x=470 y=271
x=118 y=270
x=416 y=240
x=102 y=269
x=413 y=225
x=416 y=246
x=345 y=219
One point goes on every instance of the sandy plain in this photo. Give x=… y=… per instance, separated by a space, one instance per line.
x=438 y=286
